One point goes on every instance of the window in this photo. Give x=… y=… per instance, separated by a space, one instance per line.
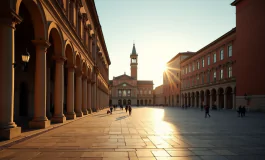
x=229 y=71
x=198 y=64
x=134 y=60
x=214 y=58
x=124 y=93
x=189 y=68
x=221 y=74
x=193 y=66
x=198 y=79
x=230 y=51
x=119 y=93
x=208 y=60
x=186 y=70
x=124 y=85
x=221 y=54
x=202 y=62
x=141 y=92
x=150 y=92
x=214 y=76
x=129 y=93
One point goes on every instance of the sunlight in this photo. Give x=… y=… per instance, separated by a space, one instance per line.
x=165 y=68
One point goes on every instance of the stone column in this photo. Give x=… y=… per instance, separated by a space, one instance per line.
x=205 y=98
x=217 y=101
x=195 y=101
x=48 y=94
x=89 y=96
x=200 y=100
x=8 y=128
x=84 y=95
x=58 y=116
x=225 y=101
x=234 y=100
x=40 y=120
x=78 y=94
x=211 y=101
x=70 y=93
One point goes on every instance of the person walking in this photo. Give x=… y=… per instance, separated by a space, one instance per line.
x=111 y=108
x=130 y=110
x=126 y=108
x=239 y=111
x=207 y=108
x=243 y=111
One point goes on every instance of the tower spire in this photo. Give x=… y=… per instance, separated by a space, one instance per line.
x=134 y=50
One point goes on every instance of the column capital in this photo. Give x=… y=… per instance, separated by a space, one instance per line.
x=78 y=72
x=59 y=59
x=41 y=43
x=10 y=18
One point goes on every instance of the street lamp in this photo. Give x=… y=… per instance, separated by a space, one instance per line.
x=25 y=60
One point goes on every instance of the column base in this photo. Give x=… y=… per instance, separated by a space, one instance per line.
x=85 y=112
x=10 y=133
x=58 y=119
x=39 y=124
x=80 y=114
x=70 y=116
x=89 y=111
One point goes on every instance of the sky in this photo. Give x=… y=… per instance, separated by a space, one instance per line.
x=160 y=30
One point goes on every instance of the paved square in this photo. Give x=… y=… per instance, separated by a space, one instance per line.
x=151 y=133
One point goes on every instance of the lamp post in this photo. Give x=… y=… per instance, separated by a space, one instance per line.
x=25 y=60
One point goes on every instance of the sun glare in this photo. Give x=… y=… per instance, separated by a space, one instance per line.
x=165 y=67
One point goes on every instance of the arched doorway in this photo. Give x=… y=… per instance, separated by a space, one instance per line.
x=221 y=97
x=202 y=98
x=213 y=96
x=138 y=102
x=124 y=102
x=129 y=102
x=119 y=101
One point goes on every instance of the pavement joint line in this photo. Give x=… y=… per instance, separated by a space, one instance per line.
x=23 y=138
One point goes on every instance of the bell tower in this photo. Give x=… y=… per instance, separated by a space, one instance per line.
x=134 y=62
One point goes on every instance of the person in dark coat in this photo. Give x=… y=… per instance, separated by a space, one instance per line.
x=130 y=110
x=207 y=110
x=243 y=112
x=239 y=111
x=126 y=108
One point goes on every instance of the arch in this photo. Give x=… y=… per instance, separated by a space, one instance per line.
x=78 y=62
x=38 y=16
x=69 y=54
x=55 y=33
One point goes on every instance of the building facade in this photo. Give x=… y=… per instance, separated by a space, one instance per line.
x=209 y=76
x=159 y=96
x=172 y=81
x=128 y=90
x=229 y=71
x=67 y=73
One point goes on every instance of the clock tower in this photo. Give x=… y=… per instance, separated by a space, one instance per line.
x=134 y=62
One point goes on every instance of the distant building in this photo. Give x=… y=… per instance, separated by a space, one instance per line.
x=128 y=90
x=171 y=79
x=158 y=95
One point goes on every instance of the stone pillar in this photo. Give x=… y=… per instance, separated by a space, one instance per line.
x=205 y=98
x=217 y=101
x=84 y=95
x=48 y=94
x=195 y=101
x=40 y=120
x=89 y=96
x=70 y=93
x=225 y=101
x=8 y=128
x=234 y=100
x=78 y=94
x=58 y=116
x=200 y=100
x=211 y=101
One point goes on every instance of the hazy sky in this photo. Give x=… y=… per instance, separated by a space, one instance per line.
x=160 y=29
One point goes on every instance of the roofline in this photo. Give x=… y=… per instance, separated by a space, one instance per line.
x=94 y=16
x=233 y=30
x=235 y=2
x=179 y=54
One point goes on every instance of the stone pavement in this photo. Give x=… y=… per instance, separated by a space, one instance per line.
x=149 y=134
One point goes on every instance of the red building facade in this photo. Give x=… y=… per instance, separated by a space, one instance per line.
x=209 y=77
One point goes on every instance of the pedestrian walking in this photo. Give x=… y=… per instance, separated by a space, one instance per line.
x=243 y=112
x=126 y=108
x=239 y=111
x=207 y=108
x=130 y=110
x=111 y=108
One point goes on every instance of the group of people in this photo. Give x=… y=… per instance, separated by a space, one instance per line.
x=241 y=111
x=127 y=108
